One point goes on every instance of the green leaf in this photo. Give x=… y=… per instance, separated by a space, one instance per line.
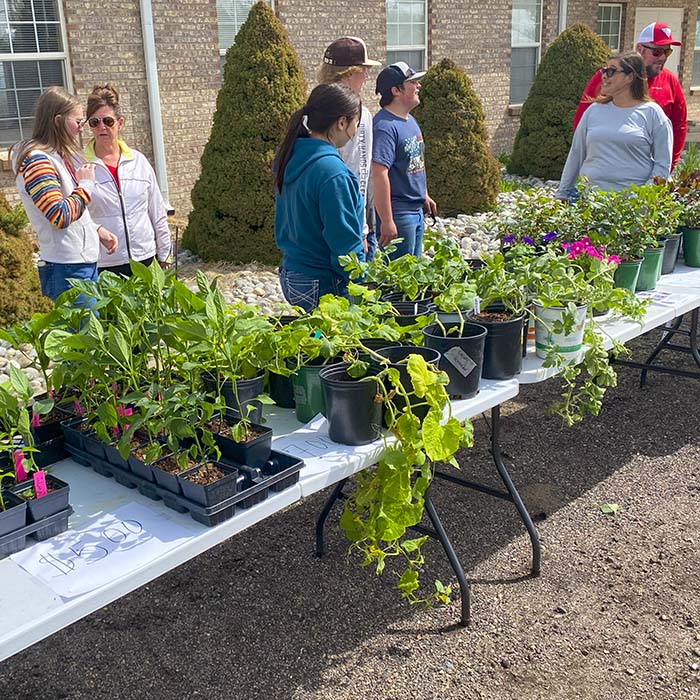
x=413 y=545
x=408 y=583
x=609 y=508
x=118 y=346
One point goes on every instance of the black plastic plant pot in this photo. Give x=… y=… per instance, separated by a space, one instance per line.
x=394 y=297
x=167 y=479
x=503 y=356
x=671 y=252
x=210 y=494
x=281 y=390
x=408 y=312
x=242 y=399
x=74 y=431
x=55 y=500
x=139 y=467
x=354 y=416
x=462 y=356
x=255 y=452
x=94 y=446
x=15 y=514
x=50 y=452
x=114 y=458
x=48 y=431
x=397 y=357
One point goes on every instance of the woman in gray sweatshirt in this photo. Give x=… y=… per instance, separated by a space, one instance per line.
x=623 y=138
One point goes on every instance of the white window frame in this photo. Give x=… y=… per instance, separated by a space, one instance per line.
x=619 y=26
x=696 y=52
x=222 y=52
x=528 y=45
x=411 y=47
x=62 y=56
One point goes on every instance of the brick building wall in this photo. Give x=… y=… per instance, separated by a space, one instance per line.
x=108 y=47
x=189 y=63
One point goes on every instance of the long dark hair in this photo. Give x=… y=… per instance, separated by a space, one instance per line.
x=324 y=106
x=632 y=63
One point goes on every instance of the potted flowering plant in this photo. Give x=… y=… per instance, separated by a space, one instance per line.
x=685 y=188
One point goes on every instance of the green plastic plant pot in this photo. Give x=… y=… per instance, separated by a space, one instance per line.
x=627 y=274
x=691 y=247
x=650 y=271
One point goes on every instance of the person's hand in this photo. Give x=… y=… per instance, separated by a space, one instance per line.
x=430 y=206
x=165 y=265
x=108 y=239
x=85 y=172
x=365 y=245
x=389 y=233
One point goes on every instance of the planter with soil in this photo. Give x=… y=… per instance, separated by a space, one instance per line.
x=13 y=517
x=168 y=469
x=209 y=483
x=503 y=356
x=353 y=412
x=241 y=395
x=55 y=500
x=462 y=355
x=254 y=449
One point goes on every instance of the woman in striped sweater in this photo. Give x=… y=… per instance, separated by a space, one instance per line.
x=55 y=195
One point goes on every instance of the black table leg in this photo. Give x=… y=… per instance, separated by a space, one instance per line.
x=320 y=523
x=440 y=535
x=513 y=492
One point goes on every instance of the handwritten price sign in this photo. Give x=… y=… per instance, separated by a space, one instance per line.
x=116 y=544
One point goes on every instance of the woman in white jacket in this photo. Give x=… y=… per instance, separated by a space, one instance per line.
x=55 y=187
x=126 y=198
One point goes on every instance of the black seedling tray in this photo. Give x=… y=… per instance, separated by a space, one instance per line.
x=279 y=473
x=41 y=530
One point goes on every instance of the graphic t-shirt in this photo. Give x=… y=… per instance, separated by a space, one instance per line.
x=398 y=145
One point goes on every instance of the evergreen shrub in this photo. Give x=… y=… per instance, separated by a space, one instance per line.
x=544 y=138
x=463 y=176
x=233 y=201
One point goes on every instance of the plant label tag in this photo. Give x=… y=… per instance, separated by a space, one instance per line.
x=36 y=420
x=477 y=305
x=20 y=472
x=40 y=484
x=464 y=364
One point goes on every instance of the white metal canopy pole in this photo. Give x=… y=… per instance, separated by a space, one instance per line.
x=149 y=52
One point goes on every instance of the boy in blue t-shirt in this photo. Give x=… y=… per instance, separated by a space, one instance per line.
x=398 y=164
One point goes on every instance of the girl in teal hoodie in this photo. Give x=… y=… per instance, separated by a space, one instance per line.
x=319 y=211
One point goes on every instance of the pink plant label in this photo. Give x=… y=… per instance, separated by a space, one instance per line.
x=78 y=408
x=36 y=420
x=40 y=484
x=20 y=472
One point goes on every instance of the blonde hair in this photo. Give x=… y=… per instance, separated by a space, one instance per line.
x=327 y=74
x=49 y=132
x=103 y=96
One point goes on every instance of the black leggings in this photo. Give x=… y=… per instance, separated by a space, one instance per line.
x=124 y=270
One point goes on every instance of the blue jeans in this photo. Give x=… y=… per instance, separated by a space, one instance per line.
x=304 y=290
x=54 y=279
x=371 y=246
x=410 y=226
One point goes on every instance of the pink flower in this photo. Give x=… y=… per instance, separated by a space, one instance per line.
x=614 y=259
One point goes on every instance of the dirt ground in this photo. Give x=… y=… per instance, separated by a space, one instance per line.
x=614 y=614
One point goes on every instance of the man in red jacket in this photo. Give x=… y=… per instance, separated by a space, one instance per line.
x=654 y=45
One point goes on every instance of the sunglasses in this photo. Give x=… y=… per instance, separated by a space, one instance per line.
x=94 y=122
x=658 y=52
x=609 y=71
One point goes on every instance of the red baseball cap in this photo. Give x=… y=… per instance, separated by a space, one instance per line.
x=657 y=33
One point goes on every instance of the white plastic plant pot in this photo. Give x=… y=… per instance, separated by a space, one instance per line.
x=568 y=344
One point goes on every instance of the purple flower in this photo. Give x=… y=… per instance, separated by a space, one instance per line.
x=528 y=240
x=508 y=239
x=549 y=236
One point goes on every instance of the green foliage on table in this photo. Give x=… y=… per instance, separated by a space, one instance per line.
x=685 y=188
x=629 y=221
x=233 y=200
x=463 y=176
x=20 y=294
x=389 y=498
x=546 y=121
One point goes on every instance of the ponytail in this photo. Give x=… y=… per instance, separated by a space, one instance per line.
x=295 y=130
x=326 y=104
